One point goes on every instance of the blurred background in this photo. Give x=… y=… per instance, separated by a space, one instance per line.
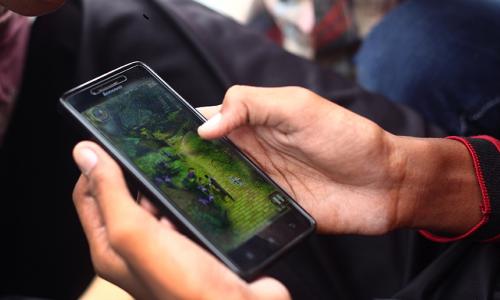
x=328 y=31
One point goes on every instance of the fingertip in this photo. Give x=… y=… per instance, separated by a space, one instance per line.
x=209 y=111
x=90 y=156
x=85 y=157
x=269 y=288
x=84 y=144
x=211 y=127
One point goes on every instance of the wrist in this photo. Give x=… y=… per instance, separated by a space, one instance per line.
x=439 y=191
x=398 y=167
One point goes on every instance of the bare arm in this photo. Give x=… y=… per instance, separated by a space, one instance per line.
x=350 y=174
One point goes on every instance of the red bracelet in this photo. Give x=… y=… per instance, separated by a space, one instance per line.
x=484 y=151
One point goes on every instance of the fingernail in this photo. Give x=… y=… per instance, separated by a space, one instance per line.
x=86 y=160
x=212 y=123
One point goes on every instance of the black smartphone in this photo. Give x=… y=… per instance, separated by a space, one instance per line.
x=209 y=189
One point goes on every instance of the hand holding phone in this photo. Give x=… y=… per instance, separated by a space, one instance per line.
x=333 y=160
x=209 y=189
x=145 y=255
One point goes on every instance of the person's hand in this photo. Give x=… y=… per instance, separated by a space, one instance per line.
x=142 y=254
x=350 y=174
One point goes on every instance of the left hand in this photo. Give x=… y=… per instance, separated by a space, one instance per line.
x=145 y=256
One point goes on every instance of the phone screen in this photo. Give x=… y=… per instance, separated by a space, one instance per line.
x=209 y=182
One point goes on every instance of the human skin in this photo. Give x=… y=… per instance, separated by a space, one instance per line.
x=31 y=7
x=348 y=173
x=142 y=252
x=345 y=170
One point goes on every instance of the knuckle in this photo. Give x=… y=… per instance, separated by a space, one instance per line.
x=234 y=94
x=100 y=179
x=301 y=94
x=101 y=264
x=77 y=192
x=101 y=260
x=122 y=234
x=100 y=174
x=96 y=179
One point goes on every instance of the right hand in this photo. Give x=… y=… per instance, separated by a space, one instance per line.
x=337 y=164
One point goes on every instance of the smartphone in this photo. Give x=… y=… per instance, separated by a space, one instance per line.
x=209 y=189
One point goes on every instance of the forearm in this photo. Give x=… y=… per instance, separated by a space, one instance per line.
x=439 y=188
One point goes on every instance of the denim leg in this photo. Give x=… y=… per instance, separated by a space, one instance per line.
x=442 y=58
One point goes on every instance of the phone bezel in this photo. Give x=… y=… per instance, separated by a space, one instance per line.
x=153 y=191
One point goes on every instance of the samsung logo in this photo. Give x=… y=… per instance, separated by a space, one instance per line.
x=111 y=91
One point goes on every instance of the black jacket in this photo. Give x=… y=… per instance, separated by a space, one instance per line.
x=201 y=54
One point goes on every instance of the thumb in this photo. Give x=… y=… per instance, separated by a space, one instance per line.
x=106 y=183
x=209 y=111
x=85 y=158
x=245 y=105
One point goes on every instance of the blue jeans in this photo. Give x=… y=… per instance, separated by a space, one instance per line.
x=442 y=58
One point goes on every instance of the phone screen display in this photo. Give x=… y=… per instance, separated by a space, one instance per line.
x=209 y=182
